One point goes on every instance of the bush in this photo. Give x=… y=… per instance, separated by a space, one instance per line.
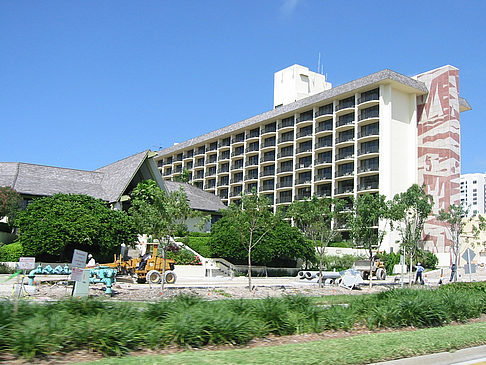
x=199 y=234
x=200 y=244
x=184 y=257
x=343 y=244
x=339 y=263
x=11 y=252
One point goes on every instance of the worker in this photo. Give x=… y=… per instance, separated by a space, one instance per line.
x=420 y=270
x=453 y=273
x=91 y=260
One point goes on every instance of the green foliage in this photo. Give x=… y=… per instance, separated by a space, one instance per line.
x=200 y=244
x=339 y=263
x=11 y=252
x=4 y=269
x=428 y=260
x=182 y=177
x=40 y=329
x=199 y=234
x=342 y=244
x=280 y=246
x=184 y=257
x=10 y=203
x=58 y=224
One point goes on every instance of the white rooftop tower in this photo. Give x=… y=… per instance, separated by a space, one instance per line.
x=297 y=82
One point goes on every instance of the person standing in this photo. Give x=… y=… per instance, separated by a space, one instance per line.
x=453 y=273
x=420 y=270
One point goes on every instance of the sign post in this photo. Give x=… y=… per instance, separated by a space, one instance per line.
x=79 y=274
x=470 y=268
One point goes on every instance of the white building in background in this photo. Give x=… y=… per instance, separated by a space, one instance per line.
x=377 y=134
x=472 y=193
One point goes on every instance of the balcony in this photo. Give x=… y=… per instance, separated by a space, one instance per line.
x=323 y=111
x=321 y=161
x=302 y=196
x=343 y=190
x=303 y=181
x=237 y=166
x=284 y=199
x=305 y=117
x=284 y=169
x=251 y=177
x=236 y=180
x=188 y=155
x=223 y=196
x=251 y=162
x=210 y=186
x=372 y=185
x=369 y=113
x=370 y=168
x=236 y=193
x=201 y=151
x=267 y=173
x=344 y=139
x=224 y=143
x=178 y=158
x=199 y=176
x=269 y=129
x=267 y=144
x=304 y=149
x=211 y=173
x=266 y=187
x=323 y=193
x=344 y=156
x=267 y=158
x=368 y=150
x=285 y=154
x=286 y=123
x=345 y=120
x=324 y=127
x=369 y=97
x=345 y=104
x=252 y=149
x=222 y=170
x=344 y=173
x=238 y=139
x=212 y=147
x=212 y=159
x=222 y=182
x=322 y=177
x=284 y=184
x=252 y=135
x=286 y=139
x=303 y=165
x=373 y=132
x=306 y=133
x=324 y=144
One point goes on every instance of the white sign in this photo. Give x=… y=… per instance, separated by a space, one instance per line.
x=79 y=259
x=26 y=263
x=77 y=274
x=81 y=287
x=468 y=255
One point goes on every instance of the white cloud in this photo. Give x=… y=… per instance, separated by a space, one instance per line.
x=288 y=7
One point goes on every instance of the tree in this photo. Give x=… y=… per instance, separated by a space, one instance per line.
x=408 y=213
x=254 y=219
x=280 y=247
x=182 y=177
x=317 y=218
x=159 y=214
x=455 y=225
x=368 y=211
x=58 y=224
x=10 y=203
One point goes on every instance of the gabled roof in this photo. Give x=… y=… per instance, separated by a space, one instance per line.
x=107 y=183
x=198 y=198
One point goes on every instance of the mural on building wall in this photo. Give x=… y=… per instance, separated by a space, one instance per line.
x=439 y=149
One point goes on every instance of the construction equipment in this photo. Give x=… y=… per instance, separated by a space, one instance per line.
x=377 y=269
x=147 y=268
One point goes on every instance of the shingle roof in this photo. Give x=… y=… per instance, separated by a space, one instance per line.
x=369 y=80
x=107 y=183
x=198 y=198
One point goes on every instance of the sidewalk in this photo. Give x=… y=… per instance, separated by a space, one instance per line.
x=468 y=356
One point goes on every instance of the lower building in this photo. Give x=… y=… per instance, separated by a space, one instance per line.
x=377 y=134
x=473 y=193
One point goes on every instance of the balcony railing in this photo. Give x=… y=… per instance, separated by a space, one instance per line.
x=251 y=163
x=368 y=186
x=344 y=139
x=368 y=97
x=369 y=132
x=224 y=156
x=303 y=181
x=323 y=193
x=344 y=173
x=324 y=127
x=238 y=139
x=344 y=105
x=178 y=159
x=322 y=177
x=251 y=177
x=343 y=156
x=236 y=193
x=223 y=196
x=211 y=173
x=267 y=173
x=267 y=158
x=284 y=169
x=222 y=182
x=212 y=148
x=212 y=160
x=344 y=121
x=284 y=199
x=201 y=151
x=252 y=135
x=210 y=186
x=269 y=130
x=237 y=153
x=285 y=154
x=324 y=143
x=224 y=143
x=223 y=170
x=286 y=123
x=304 y=149
x=304 y=133
x=323 y=111
x=284 y=184
x=304 y=118
x=252 y=149
x=320 y=161
x=366 y=114
x=286 y=139
x=370 y=168
x=343 y=190
x=303 y=165
x=302 y=196
x=367 y=150
x=199 y=176
x=269 y=144
x=236 y=180
x=266 y=187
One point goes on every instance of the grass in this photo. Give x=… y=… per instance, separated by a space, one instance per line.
x=114 y=328
x=361 y=349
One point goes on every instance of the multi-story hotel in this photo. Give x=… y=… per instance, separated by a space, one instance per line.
x=377 y=134
x=473 y=193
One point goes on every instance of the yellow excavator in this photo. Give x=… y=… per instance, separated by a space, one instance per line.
x=147 y=268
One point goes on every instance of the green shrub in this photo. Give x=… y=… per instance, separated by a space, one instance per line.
x=184 y=257
x=199 y=234
x=200 y=244
x=338 y=263
x=11 y=252
x=343 y=244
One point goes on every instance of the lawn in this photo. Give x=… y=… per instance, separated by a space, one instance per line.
x=361 y=349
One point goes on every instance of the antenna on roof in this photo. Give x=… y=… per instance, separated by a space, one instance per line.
x=319 y=63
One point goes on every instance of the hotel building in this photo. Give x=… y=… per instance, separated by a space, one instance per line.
x=377 y=134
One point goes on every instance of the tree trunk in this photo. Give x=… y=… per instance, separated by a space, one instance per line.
x=370 y=276
x=320 y=272
x=162 y=281
x=410 y=270
x=249 y=268
x=457 y=258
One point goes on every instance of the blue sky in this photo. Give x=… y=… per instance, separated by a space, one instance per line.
x=86 y=83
